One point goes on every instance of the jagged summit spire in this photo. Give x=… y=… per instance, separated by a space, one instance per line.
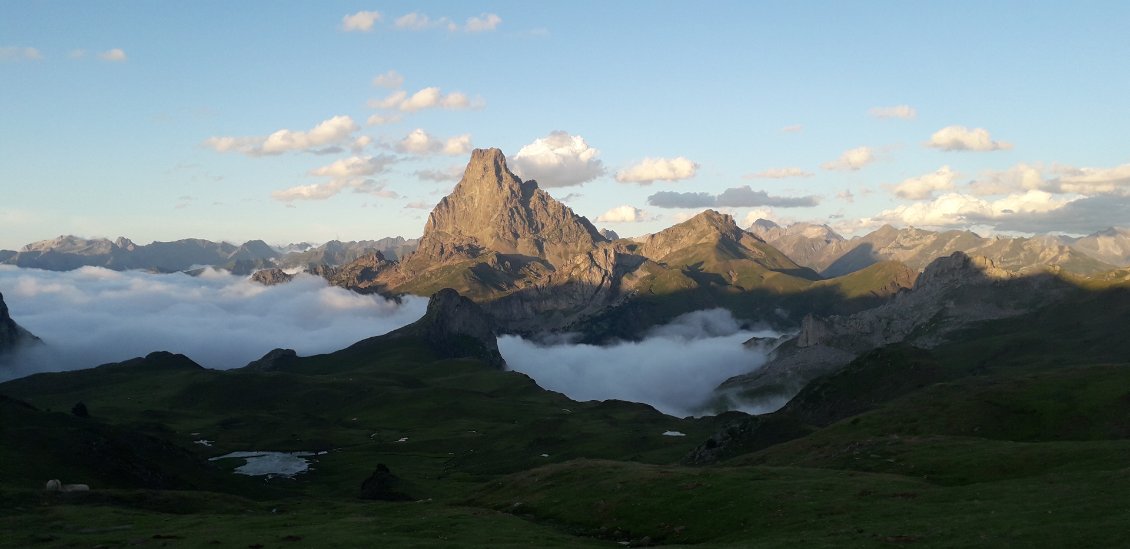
x=494 y=210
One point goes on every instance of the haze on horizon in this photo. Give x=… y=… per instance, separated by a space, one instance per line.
x=311 y=122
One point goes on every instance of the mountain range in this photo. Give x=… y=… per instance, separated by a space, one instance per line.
x=68 y=252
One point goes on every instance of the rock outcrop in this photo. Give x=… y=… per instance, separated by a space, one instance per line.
x=271 y=277
x=12 y=335
x=950 y=294
x=274 y=360
x=455 y=327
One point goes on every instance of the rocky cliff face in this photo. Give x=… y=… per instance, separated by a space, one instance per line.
x=455 y=327
x=492 y=209
x=950 y=294
x=12 y=335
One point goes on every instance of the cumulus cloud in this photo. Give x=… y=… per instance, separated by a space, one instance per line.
x=736 y=197
x=345 y=174
x=1089 y=181
x=957 y=210
x=390 y=79
x=650 y=170
x=558 y=160
x=333 y=131
x=360 y=144
x=322 y=191
x=427 y=98
x=446 y=175
x=674 y=369
x=778 y=173
x=361 y=21
x=1018 y=177
x=483 y=23
x=924 y=186
x=851 y=160
x=1057 y=179
x=1082 y=216
x=624 y=214
x=421 y=142
x=115 y=55
x=381 y=119
x=20 y=53
x=960 y=138
x=93 y=316
x=355 y=166
x=905 y=112
x=418 y=21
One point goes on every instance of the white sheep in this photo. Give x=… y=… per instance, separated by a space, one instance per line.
x=54 y=485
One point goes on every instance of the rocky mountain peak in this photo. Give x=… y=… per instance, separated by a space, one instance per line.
x=708 y=227
x=491 y=209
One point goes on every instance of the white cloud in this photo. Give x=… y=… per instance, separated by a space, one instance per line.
x=483 y=23
x=1061 y=180
x=558 y=160
x=650 y=170
x=427 y=98
x=624 y=214
x=361 y=21
x=758 y=213
x=419 y=21
x=962 y=210
x=216 y=319
x=794 y=128
x=779 y=173
x=333 y=131
x=115 y=55
x=355 y=166
x=905 y=112
x=77 y=54
x=421 y=142
x=1016 y=178
x=960 y=138
x=381 y=120
x=19 y=53
x=390 y=79
x=361 y=143
x=675 y=368
x=1089 y=181
x=924 y=186
x=446 y=175
x=851 y=160
x=322 y=191
x=416 y=21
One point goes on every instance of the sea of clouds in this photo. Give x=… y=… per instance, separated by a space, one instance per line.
x=93 y=316
x=674 y=368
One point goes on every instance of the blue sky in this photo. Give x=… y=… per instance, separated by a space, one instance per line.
x=153 y=120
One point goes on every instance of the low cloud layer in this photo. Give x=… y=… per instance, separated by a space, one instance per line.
x=675 y=368
x=93 y=316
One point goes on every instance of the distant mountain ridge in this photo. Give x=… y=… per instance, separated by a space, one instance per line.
x=821 y=248
x=68 y=252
